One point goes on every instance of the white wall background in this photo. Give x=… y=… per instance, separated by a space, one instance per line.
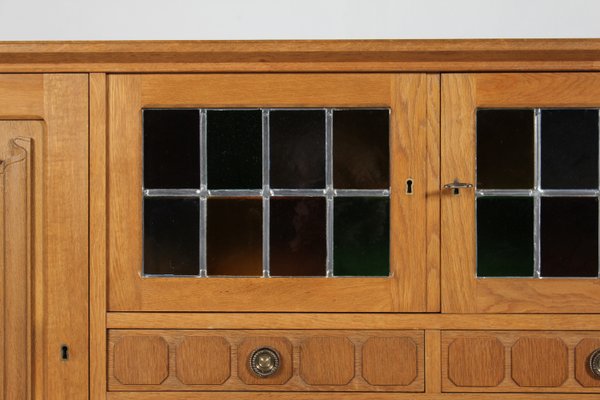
x=296 y=19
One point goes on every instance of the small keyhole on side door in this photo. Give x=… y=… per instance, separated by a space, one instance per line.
x=64 y=352
x=409 y=186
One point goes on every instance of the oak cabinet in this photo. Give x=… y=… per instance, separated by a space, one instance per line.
x=300 y=220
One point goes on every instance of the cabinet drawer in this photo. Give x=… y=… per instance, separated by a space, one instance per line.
x=163 y=360
x=518 y=361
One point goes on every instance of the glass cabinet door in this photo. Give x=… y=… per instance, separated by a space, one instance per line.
x=276 y=192
x=520 y=203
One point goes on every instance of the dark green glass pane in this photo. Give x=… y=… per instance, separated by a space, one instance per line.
x=298 y=236
x=361 y=236
x=505 y=149
x=361 y=158
x=504 y=236
x=569 y=237
x=234 y=236
x=570 y=149
x=171 y=149
x=297 y=149
x=171 y=236
x=234 y=149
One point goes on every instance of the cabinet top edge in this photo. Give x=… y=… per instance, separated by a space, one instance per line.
x=447 y=55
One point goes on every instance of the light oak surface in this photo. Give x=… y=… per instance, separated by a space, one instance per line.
x=311 y=360
x=404 y=290
x=534 y=361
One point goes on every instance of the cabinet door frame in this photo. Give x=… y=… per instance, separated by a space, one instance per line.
x=462 y=291
x=404 y=290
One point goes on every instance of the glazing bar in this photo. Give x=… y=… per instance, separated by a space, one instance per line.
x=171 y=193
x=266 y=192
x=361 y=193
x=329 y=189
x=203 y=193
x=537 y=202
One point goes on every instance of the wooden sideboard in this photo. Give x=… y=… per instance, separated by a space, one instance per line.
x=300 y=220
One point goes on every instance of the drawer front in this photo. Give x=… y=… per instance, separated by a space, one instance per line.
x=518 y=361
x=171 y=360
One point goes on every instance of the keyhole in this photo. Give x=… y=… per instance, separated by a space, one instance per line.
x=409 y=186
x=64 y=352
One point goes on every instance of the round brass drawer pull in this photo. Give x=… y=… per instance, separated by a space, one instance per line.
x=595 y=363
x=264 y=362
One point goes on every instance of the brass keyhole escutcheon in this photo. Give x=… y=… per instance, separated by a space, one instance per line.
x=264 y=362
x=594 y=363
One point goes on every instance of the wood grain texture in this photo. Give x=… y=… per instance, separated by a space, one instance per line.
x=532 y=359
x=203 y=360
x=538 y=361
x=16 y=261
x=389 y=361
x=476 y=361
x=21 y=96
x=583 y=350
x=432 y=195
x=243 y=342
x=66 y=235
x=351 y=396
x=98 y=234
x=462 y=292
x=565 y=322
x=281 y=345
x=327 y=361
x=404 y=290
x=140 y=360
x=433 y=361
x=302 y=55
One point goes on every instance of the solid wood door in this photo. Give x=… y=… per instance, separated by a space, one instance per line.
x=546 y=125
x=406 y=96
x=43 y=236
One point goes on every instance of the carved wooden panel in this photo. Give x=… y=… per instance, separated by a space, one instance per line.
x=141 y=360
x=518 y=361
x=476 y=361
x=310 y=360
x=17 y=243
x=540 y=361
x=327 y=360
x=389 y=361
x=582 y=355
x=203 y=360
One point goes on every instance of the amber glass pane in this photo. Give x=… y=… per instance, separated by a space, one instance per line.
x=234 y=146
x=298 y=236
x=504 y=236
x=505 y=149
x=171 y=236
x=234 y=236
x=297 y=149
x=361 y=236
x=361 y=149
x=171 y=149
x=569 y=237
x=570 y=149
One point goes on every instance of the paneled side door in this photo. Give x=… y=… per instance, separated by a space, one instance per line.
x=524 y=237
x=43 y=237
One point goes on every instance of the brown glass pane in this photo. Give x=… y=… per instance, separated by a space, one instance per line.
x=171 y=236
x=504 y=149
x=569 y=237
x=298 y=236
x=569 y=149
x=234 y=147
x=361 y=149
x=234 y=236
x=171 y=149
x=297 y=149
